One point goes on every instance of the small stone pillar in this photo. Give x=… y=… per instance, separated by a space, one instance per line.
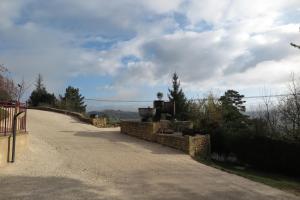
x=199 y=146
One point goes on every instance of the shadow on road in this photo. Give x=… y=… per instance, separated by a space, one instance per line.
x=39 y=188
x=139 y=186
x=59 y=188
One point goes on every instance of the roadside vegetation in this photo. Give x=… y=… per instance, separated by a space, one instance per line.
x=72 y=100
x=258 y=147
x=264 y=141
x=8 y=89
x=267 y=142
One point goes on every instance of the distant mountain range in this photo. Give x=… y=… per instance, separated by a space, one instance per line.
x=116 y=115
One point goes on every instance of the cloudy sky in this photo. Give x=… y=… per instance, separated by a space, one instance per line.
x=128 y=49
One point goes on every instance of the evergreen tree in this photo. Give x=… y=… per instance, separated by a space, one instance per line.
x=232 y=109
x=40 y=96
x=177 y=96
x=234 y=99
x=73 y=100
x=39 y=83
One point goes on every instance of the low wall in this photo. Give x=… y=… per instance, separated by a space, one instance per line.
x=198 y=145
x=175 y=141
x=79 y=116
x=143 y=130
x=100 y=122
x=6 y=147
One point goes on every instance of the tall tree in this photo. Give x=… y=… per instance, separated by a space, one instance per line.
x=8 y=89
x=40 y=96
x=177 y=96
x=289 y=109
x=73 y=100
x=39 y=83
x=234 y=99
x=232 y=109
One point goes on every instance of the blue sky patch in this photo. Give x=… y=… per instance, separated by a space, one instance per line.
x=130 y=58
x=203 y=26
x=99 y=45
x=181 y=19
x=87 y=85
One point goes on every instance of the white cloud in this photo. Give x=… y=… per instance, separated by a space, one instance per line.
x=227 y=11
x=239 y=41
x=9 y=10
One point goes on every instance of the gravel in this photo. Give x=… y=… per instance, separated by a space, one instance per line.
x=68 y=159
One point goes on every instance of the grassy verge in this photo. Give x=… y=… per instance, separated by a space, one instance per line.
x=281 y=182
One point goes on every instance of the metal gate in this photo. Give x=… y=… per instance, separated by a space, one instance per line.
x=7 y=111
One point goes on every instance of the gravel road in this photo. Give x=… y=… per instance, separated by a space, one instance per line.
x=70 y=160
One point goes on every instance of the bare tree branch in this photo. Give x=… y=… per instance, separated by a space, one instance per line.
x=295 y=45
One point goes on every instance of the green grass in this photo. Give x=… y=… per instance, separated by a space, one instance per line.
x=281 y=182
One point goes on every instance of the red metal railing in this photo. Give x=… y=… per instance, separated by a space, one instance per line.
x=7 y=111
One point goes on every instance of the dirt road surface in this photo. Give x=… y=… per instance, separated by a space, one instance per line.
x=70 y=160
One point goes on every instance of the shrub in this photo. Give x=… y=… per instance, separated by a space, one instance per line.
x=259 y=151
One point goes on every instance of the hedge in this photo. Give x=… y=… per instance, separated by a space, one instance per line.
x=261 y=152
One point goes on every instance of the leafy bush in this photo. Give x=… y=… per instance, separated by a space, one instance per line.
x=41 y=98
x=269 y=154
x=251 y=141
x=259 y=151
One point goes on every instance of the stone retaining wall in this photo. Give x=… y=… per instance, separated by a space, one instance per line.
x=198 y=145
x=142 y=130
x=175 y=141
x=100 y=122
x=79 y=116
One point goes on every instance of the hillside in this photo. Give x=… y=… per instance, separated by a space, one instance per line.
x=116 y=115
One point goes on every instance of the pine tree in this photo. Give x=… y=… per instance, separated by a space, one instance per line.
x=39 y=83
x=177 y=96
x=233 y=98
x=40 y=96
x=232 y=104
x=73 y=100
